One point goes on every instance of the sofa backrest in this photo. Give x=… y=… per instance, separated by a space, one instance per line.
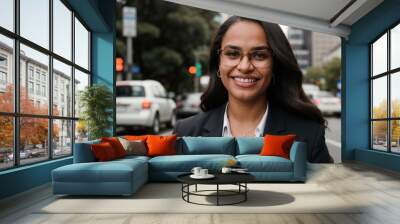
x=206 y=145
x=190 y=146
x=83 y=152
x=249 y=145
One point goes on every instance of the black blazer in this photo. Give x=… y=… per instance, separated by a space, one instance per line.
x=278 y=122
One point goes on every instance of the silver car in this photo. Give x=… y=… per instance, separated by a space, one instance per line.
x=190 y=105
x=327 y=103
x=144 y=104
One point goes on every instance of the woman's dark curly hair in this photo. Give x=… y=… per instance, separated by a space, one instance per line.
x=286 y=87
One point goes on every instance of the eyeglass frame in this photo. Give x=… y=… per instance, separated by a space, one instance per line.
x=248 y=54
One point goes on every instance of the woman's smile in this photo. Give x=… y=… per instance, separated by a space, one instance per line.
x=244 y=82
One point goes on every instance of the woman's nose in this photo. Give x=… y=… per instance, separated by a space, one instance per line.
x=245 y=65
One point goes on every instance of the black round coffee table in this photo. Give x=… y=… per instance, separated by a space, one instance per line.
x=238 y=179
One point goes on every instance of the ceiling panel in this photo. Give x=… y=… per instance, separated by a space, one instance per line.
x=314 y=15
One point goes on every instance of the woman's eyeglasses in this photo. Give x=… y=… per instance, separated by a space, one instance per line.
x=259 y=58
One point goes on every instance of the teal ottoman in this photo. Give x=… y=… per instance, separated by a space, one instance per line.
x=118 y=177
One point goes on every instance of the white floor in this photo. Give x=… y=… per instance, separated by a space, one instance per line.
x=377 y=189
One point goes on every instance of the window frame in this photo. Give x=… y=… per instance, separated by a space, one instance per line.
x=16 y=63
x=388 y=74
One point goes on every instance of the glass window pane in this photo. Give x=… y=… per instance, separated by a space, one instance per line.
x=62 y=138
x=395 y=94
x=35 y=21
x=33 y=139
x=62 y=29
x=81 y=45
x=34 y=96
x=7 y=14
x=6 y=142
x=395 y=136
x=6 y=74
x=395 y=47
x=379 y=55
x=379 y=98
x=379 y=135
x=81 y=131
x=81 y=81
x=62 y=89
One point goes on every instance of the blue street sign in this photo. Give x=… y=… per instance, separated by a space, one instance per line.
x=135 y=69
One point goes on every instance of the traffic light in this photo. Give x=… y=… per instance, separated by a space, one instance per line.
x=198 y=69
x=119 y=64
x=192 y=70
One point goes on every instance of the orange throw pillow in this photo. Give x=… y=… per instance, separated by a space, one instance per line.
x=161 y=145
x=277 y=145
x=136 y=137
x=103 y=151
x=116 y=145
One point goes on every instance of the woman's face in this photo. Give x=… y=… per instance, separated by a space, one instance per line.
x=245 y=61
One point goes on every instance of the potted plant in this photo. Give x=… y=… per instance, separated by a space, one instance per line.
x=96 y=104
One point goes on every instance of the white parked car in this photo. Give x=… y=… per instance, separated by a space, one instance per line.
x=311 y=90
x=144 y=104
x=328 y=103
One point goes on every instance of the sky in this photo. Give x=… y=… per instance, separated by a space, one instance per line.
x=35 y=27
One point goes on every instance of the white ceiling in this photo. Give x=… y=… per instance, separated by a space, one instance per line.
x=315 y=15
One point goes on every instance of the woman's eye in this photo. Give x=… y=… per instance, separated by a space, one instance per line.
x=232 y=54
x=260 y=55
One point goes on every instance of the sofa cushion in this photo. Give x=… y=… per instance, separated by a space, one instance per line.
x=159 y=145
x=185 y=163
x=277 y=145
x=103 y=152
x=206 y=145
x=257 y=163
x=249 y=145
x=131 y=158
x=134 y=147
x=112 y=171
x=135 y=137
x=116 y=145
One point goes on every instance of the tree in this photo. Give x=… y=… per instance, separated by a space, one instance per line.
x=33 y=131
x=380 y=127
x=325 y=76
x=96 y=102
x=169 y=37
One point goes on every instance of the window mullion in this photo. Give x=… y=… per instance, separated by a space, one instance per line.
x=73 y=82
x=389 y=106
x=372 y=94
x=50 y=81
x=16 y=69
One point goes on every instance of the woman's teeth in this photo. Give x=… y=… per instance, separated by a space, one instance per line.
x=245 y=80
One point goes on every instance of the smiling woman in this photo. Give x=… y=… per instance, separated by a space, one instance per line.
x=256 y=89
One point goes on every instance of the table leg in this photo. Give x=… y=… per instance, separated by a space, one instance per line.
x=245 y=191
x=217 y=194
x=182 y=189
x=188 y=189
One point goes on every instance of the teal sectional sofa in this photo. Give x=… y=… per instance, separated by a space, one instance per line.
x=125 y=176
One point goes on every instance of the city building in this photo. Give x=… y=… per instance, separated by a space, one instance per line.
x=334 y=52
x=322 y=47
x=300 y=40
x=34 y=81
